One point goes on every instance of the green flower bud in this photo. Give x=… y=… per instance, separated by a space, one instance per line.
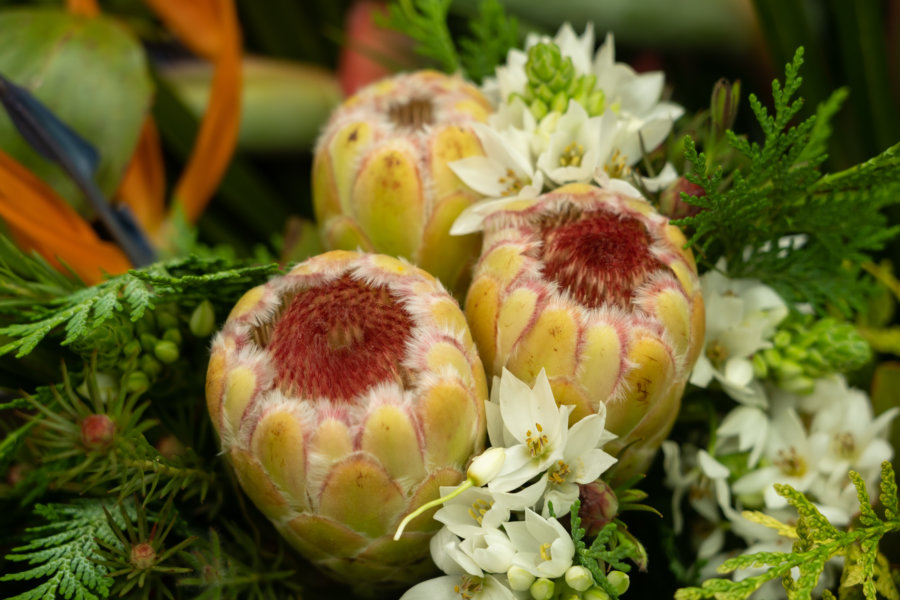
x=172 y=335
x=760 y=368
x=166 y=351
x=150 y=365
x=782 y=339
x=542 y=589
x=137 y=382
x=148 y=341
x=724 y=105
x=167 y=317
x=203 y=320
x=619 y=580
x=519 y=579
x=595 y=593
x=579 y=578
x=132 y=348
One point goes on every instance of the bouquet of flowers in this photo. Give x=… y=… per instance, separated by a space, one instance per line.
x=548 y=334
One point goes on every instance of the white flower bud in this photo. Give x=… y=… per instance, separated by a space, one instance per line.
x=520 y=580
x=579 y=578
x=486 y=466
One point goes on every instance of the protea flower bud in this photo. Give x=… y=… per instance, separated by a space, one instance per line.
x=345 y=394
x=380 y=177
x=598 y=290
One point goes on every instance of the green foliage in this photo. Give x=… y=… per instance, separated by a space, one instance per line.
x=609 y=550
x=425 y=21
x=80 y=313
x=750 y=212
x=494 y=33
x=220 y=573
x=63 y=552
x=818 y=541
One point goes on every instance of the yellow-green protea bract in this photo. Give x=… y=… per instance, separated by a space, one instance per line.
x=381 y=181
x=597 y=289
x=345 y=394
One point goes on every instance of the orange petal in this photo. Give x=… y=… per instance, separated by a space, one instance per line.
x=40 y=220
x=88 y=8
x=199 y=24
x=143 y=188
x=210 y=28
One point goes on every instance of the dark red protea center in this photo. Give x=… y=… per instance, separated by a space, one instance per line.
x=97 y=432
x=339 y=339
x=598 y=257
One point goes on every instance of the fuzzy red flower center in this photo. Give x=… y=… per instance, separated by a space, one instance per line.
x=598 y=257
x=143 y=556
x=97 y=432
x=339 y=339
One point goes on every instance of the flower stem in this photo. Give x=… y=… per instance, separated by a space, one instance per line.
x=437 y=502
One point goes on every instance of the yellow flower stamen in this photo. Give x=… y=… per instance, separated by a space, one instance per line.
x=536 y=442
x=571 y=155
x=558 y=475
x=791 y=463
x=545 y=551
x=479 y=509
x=844 y=444
x=716 y=352
x=512 y=184
x=470 y=586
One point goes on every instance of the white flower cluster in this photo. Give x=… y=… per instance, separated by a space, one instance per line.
x=808 y=441
x=524 y=154
x=500 y=540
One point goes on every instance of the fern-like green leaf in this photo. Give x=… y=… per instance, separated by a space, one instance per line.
x=63 y=552
x=493 y=34
x=188 y=280
x=425 y=21
x=780 y=220
x=818 y=542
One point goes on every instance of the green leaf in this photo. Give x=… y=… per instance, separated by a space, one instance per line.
x=425 y=21
x=190 y=280
x=62 y=553
x=780 y=220
x=57 y=56
x=493 y=35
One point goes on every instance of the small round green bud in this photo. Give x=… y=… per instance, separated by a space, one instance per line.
x=782 y=339
x=203 y=320
x=760 y=368
x=172 y=335
x=167 y=320
x=595 y=593
x=579 y=578
x=137 y=382
x=166 y=351
x=132 y=348
x=542 y=589
x=772 y=357
x=619 y=580
x=148 y=341
x=150 y=365
x=789 y=369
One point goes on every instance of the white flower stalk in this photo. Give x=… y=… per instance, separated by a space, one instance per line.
x=741 y=315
